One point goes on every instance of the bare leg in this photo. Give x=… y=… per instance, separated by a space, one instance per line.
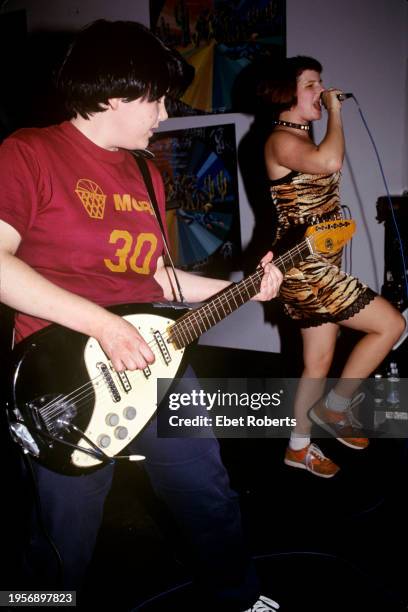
x=318 y=349
x=383 y=325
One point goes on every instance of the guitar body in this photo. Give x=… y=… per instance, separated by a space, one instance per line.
x=63 y=386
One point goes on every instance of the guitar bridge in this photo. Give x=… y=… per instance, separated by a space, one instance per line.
x=55 y=412
x=109 y=381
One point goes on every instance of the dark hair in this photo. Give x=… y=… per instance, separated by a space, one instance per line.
x=119 y=59
x=279 y=88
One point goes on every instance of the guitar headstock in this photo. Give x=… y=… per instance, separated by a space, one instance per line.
x=330 y=236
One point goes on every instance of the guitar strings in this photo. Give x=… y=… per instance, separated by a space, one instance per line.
x=85 y=392
x=189 y=323
x=53 y=408
x=56 y=408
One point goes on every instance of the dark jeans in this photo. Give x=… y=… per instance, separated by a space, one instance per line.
x=188 y=475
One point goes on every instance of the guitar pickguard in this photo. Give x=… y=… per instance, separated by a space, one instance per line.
x=125 y=403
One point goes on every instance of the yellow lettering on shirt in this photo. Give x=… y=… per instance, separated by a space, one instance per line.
x=142 y=239
x=126 y=202
x=125 y=240
x=122 y=252
x=142 y=205
x=122 y=202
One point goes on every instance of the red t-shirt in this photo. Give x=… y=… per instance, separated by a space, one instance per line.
x=83 y=214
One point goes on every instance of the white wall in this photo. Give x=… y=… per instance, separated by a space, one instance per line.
x=363 y=46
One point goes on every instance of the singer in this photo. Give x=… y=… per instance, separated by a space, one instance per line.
x=317 y=294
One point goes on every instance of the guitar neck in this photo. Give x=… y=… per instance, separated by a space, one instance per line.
x=194 y=323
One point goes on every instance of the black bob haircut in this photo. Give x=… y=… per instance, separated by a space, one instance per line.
x=278 y=89
x=119 y=59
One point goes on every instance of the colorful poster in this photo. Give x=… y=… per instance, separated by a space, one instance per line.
x=220 y=38
x=198 y=166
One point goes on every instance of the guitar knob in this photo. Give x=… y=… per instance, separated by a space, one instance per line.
x=129 y=413
x=121 y=433
x=112 y=419
x=104 y=441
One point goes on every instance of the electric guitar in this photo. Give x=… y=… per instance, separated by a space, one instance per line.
x=72 y=411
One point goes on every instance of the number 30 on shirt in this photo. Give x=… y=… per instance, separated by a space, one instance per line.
x=127 y=253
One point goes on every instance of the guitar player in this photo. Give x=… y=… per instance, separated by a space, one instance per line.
x=77 y=234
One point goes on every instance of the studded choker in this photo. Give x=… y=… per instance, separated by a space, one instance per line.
x=298 y=126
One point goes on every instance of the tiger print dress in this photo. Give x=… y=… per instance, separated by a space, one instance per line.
x=316 y=291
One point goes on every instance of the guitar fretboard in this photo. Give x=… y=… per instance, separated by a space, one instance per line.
x=194 y=323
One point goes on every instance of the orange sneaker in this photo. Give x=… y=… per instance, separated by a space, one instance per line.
x=342 y=425
x=311 y=459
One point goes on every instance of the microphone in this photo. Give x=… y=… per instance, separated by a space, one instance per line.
x=344 y=96
x=341 y=97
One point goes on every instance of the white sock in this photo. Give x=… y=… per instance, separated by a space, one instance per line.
x=298 y=441
x=336 y=402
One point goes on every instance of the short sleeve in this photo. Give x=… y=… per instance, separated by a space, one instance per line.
x=20 y=184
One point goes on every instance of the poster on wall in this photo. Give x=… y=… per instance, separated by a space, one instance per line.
x=199 y=169
x=221 y=39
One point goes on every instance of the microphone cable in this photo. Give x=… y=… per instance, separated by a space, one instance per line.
x=395 y=223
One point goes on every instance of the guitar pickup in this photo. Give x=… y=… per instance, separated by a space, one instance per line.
x=124 y=381
x=162 y=346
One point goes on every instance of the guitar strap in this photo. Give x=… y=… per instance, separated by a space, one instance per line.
x=143 y=167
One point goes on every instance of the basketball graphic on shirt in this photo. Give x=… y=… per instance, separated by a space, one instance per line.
x=92 y=197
